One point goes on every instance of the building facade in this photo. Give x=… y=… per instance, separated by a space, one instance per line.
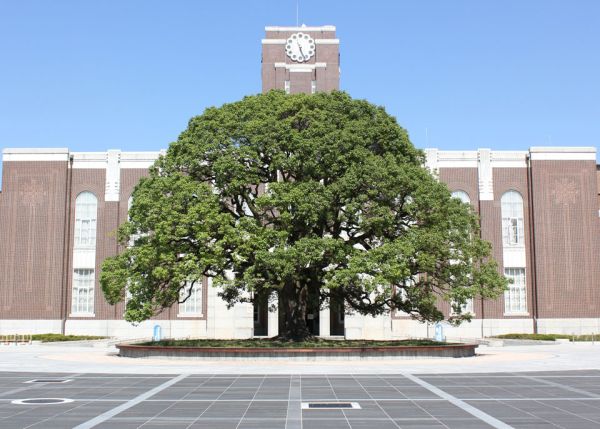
x=59 y=209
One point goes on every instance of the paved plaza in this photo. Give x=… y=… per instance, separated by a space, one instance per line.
x=548 y=386
x=566 y=399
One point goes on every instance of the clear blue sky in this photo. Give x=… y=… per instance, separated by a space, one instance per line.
x=128 y=74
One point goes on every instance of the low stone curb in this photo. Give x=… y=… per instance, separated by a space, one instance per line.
x=300 y=354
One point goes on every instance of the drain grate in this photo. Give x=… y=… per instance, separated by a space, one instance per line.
x=330 y=405
x=41 y=401
x=48 y=380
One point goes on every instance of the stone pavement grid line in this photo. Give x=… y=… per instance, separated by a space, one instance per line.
x=212 y=401
x=138 y=399
x=492 y=421
x=337 y=400
x=568 y=412
x=251 y=401
x=294 y=412
x=546 y=421
x=175 y=402
x=416 y=404
x=376 y=402
x=569 y=388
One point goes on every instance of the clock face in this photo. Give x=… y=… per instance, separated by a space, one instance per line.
x=300 y=47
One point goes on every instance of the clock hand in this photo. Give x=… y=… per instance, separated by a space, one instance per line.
x=300 y=47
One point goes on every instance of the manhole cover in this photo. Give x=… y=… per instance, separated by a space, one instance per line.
x=48 y=380
x=41 y=401
x=330 y=405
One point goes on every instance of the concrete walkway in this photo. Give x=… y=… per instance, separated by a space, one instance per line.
x=76 y=359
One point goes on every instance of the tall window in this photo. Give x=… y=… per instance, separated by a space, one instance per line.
x=515 y=298
x=193 y=304
x=467 y=307
x=132 y=237
x=83 y=291
x=287 y=87
x=462 y=195
x=512 y=219
x=313 y=86
x=86 y=208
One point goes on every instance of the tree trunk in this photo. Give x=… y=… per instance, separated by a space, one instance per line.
x=293 y=304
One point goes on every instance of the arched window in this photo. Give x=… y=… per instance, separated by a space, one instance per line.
x=461 y=195
x=512 y=219
x=86 y=212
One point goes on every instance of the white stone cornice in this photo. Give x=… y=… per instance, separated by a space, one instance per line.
x=457 y=159
x=301 y=28
x=317 y=41
x=327 y=41
x=300 y=67
x=141 y=160
x=35 y=154
x=509 y=159
x=544 y=153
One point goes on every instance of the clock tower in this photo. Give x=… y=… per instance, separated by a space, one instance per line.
x=300 y=59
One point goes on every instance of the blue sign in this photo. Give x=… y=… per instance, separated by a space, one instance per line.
x=157 y=333
x=439 y=332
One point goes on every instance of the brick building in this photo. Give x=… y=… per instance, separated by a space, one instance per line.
x=58 y=211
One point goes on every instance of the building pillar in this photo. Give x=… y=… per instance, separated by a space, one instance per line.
x=324 y=319
x=273 y=317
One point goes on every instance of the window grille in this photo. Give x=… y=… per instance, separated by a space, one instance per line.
x=83 y=291
x=512 y=219
x=515 y=298
x=193 y=304
x=462 y=195
x=86 y=208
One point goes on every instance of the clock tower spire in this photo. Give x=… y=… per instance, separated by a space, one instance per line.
x=300 y=59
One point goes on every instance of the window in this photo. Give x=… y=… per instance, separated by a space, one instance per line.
x=287 y=86
x=83 y=291
x=462 y=195
x=132 y=237
x=408 y=283
x=512 y=219
x=515 y=298
x=313 y=86
x=193 y=304
x=86 y=207
x=466 y=308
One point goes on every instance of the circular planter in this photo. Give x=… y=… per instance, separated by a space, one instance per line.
x=282 y=353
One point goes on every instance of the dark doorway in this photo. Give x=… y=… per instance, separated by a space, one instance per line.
x=261 y=316
x=336 y=316
x=312 y=311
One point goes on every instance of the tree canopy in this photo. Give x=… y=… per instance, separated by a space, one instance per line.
x=298 y=193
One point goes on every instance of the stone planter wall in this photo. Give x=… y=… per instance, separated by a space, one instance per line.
x=297 y=354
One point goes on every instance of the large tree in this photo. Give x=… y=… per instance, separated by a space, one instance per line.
x=300 y=195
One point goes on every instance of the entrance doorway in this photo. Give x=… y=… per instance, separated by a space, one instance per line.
x=336 y=316
x=261 y=316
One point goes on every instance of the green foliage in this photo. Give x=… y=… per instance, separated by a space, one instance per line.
x=548 y=337
x=348 y=209
x=268 y=343
x=50 y=338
